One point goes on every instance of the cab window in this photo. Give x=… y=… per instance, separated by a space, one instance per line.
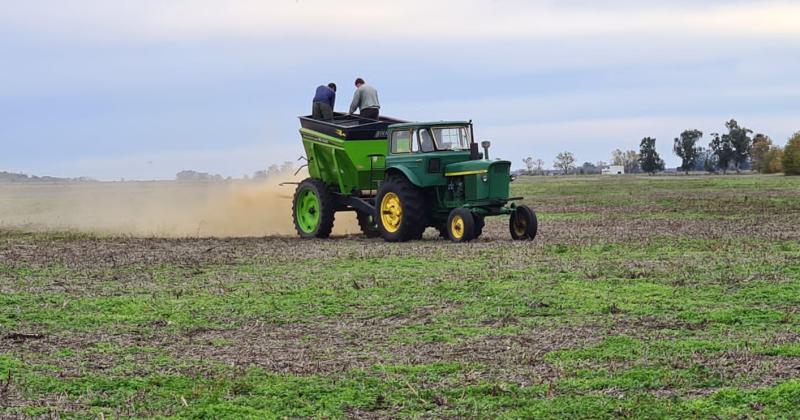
x=425 y=140
x=414 y=141
x=401 y=141
x=452 y=138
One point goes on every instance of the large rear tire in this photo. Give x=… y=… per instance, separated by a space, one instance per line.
x=368 y=225
x=402 y=213
x=313 y=209
x=523 y=224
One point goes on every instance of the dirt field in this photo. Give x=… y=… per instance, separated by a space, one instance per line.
x=642 y=296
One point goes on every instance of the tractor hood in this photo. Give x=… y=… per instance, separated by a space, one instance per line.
x=484 y=182
x=474 y=167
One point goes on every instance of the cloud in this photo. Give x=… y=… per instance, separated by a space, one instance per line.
x=103 y=87
x=413 y=20
x=92 y=45
x=700 y=97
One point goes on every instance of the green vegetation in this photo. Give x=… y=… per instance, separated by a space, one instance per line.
x=686 y=148
x=790 y=159
x=642 y=296
x=649 y=160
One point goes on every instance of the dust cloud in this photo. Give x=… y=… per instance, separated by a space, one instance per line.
x=159 y=208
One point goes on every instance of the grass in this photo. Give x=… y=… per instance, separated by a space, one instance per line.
x=642 y=296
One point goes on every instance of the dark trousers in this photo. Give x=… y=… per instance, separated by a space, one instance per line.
x=321 y=111
x=371 y=113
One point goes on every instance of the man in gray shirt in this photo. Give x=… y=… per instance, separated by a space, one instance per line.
x=366 y=99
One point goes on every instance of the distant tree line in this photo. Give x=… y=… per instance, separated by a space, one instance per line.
x=287 y=168
x=20 y=177
x=534 y=167
x=190 y=175
x=737 y=150
x=769 y=158
x=734 y=150
x=731 y=150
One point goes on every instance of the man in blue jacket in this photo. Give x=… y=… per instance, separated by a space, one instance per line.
x=322 y=106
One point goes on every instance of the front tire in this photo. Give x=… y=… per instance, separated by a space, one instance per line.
x=523 y=224
x=313 y=208
x=461 y=225
x=401 y=210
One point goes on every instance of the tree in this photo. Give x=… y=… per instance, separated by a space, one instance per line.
x=539 y=167
x=273 y=170
x=710 y=162
x=772 y=162
x=564 y=161
x=740 y=142
x=700 y=162
x=629 y=159
x=529 y=162
x=533 y=167
x=589 y=168
x=649 y=160
x=761 y=146
x=791 y=156
x=618 y=157
x=13 y=177
x=723 y=151
x=685 y=148
x=287 y=168
x=190 y=175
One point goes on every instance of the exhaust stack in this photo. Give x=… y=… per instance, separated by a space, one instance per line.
x=485 y=144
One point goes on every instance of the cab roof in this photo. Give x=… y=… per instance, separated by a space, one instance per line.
x=428 y=124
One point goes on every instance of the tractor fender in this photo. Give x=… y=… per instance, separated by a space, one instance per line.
x=401 y=170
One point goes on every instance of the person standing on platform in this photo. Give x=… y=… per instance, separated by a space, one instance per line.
x=322 y=105
x=366 y=99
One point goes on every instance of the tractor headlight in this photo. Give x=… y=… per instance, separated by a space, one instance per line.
x=484 y=177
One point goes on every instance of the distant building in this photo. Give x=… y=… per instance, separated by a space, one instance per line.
x=614 y=170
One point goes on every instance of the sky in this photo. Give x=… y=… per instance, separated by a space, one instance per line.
x=143 y=89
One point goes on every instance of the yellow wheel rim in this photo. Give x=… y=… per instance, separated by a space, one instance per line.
x=391 y=212
x=457 y=227
x=520 y=225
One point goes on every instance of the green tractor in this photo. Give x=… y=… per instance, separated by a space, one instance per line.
x=401 y=178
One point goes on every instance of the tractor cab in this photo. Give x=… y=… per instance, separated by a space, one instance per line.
x=432 y=137
x=444 y=154
x=422 y=151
